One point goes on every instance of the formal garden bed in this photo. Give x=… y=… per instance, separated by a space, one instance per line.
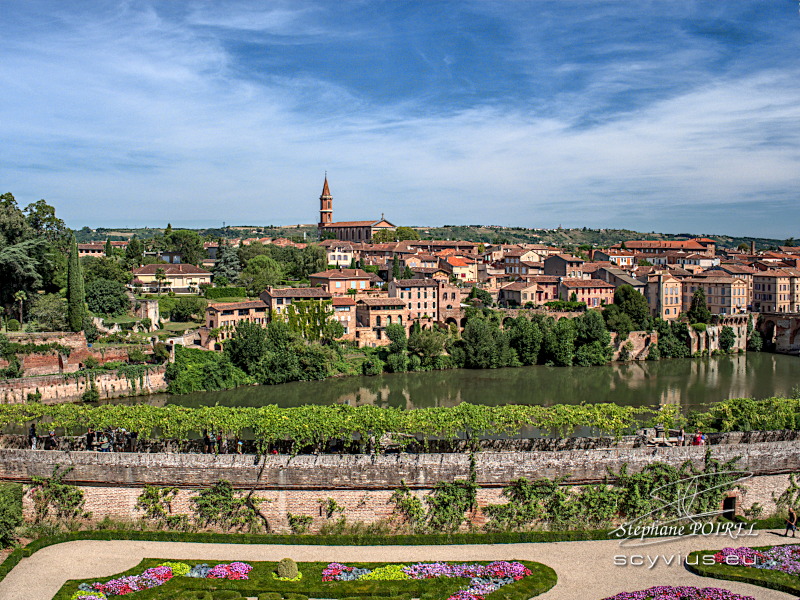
x=774 y=567
x=191 y=580
x=666 y=592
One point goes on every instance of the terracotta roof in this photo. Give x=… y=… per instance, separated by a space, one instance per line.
x=569 y=257
x=341 y=301
x=737 y=269
x=712 y=279
x=585 y=283
x=416 y=282
x=456 y=261
x=544 y=278
x=351 y=224
x=310 y=292
x=517 y=286
x=394 y=302
x=341 y=274
x=236 y=305
x=170 y=269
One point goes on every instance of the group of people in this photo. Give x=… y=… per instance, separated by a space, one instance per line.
x=216 y=443
x=698 y=439
x=112 y=440
x=48 y=442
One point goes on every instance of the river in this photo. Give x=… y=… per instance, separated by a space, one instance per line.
x=691 y=383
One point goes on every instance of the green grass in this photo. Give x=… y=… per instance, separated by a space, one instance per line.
x=261 y=581
x=774 y=580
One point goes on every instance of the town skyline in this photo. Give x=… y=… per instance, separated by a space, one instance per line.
x=674 y=118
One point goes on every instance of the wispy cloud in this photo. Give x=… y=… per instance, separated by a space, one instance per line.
x=533 y=114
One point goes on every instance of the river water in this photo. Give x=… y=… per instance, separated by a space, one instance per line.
x=691 y=383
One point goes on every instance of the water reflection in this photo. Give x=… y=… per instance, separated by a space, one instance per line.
x=686 y=382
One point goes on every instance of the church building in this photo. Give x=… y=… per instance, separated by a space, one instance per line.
x=350 y=231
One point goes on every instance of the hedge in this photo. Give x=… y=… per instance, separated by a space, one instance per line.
x=225 y=292
x=774 y=580
x=431 y=539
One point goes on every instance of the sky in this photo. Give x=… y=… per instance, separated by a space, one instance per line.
x=676 y=116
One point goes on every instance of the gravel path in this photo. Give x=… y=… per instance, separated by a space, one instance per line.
x=586 y=570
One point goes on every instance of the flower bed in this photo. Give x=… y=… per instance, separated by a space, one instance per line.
x=679 y=593
x=432 y=581
x=777 y=558
x=483 y=579
x=156 y=576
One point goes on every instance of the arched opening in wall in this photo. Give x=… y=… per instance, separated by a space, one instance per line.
x=768 y=333
x=464 y=322
x=729 y=507
x=451 y=321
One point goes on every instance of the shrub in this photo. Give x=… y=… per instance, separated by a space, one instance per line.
x=225 y=292
x=299 y=523
x=10 y=512
x=699 y=326
x=12 y=325
x=287 y=568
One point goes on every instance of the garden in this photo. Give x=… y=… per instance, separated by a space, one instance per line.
x=774 y=567
x=189 y=580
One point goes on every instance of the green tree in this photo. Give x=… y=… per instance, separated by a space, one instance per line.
x=727 y=338
x=188 y=243
x=101 y=267
x=396 y=271
x=590 y=327
x=248 y=346
x=41 y=218
x=397 y=349
x=428 y=344
x=408 y=273
x=698 y=311
x=76 y=296
x=558 y=344
x=160 y=277
x=227 y=264
x=49 y=311
x=20 y=297
x=486 y=346
x=109 y=249
x=107 y=297
x=398 y=235
x=481 y=294
x=186 y=308
x=260 y=273
x=633 y=304
x=312 y=259
x=134 y=253
x=525 y=337
x=619 y=321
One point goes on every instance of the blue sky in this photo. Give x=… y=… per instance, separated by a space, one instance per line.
x=658 y=116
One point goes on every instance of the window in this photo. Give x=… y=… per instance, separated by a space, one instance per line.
x=338 y=284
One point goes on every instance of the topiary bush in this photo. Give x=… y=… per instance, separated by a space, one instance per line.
x=287 y=569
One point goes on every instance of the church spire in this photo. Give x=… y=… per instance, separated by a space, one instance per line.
x=325 y=206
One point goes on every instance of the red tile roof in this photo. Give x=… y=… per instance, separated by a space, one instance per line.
x=169 y=269
x=585 y=283
x=236 y=305
x=309 y=292
x=341 y=274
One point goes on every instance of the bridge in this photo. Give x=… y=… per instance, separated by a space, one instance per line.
x=781 y=330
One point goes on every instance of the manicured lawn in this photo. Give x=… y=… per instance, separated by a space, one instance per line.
x=772 y=579
x=261 y=580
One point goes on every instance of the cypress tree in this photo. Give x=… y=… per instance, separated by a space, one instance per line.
x=109 y=249
x=75 y=293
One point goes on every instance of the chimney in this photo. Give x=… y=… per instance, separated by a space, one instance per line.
x=752 y=246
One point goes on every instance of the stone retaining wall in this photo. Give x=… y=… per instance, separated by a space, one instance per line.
x=58 y=388
x=363 y=484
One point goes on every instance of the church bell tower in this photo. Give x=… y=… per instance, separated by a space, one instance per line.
x=325 y=207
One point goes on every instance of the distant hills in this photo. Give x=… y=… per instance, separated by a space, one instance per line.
x=486 y=234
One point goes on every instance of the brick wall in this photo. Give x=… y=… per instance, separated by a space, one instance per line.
x=297 y=485
x=58 y=388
